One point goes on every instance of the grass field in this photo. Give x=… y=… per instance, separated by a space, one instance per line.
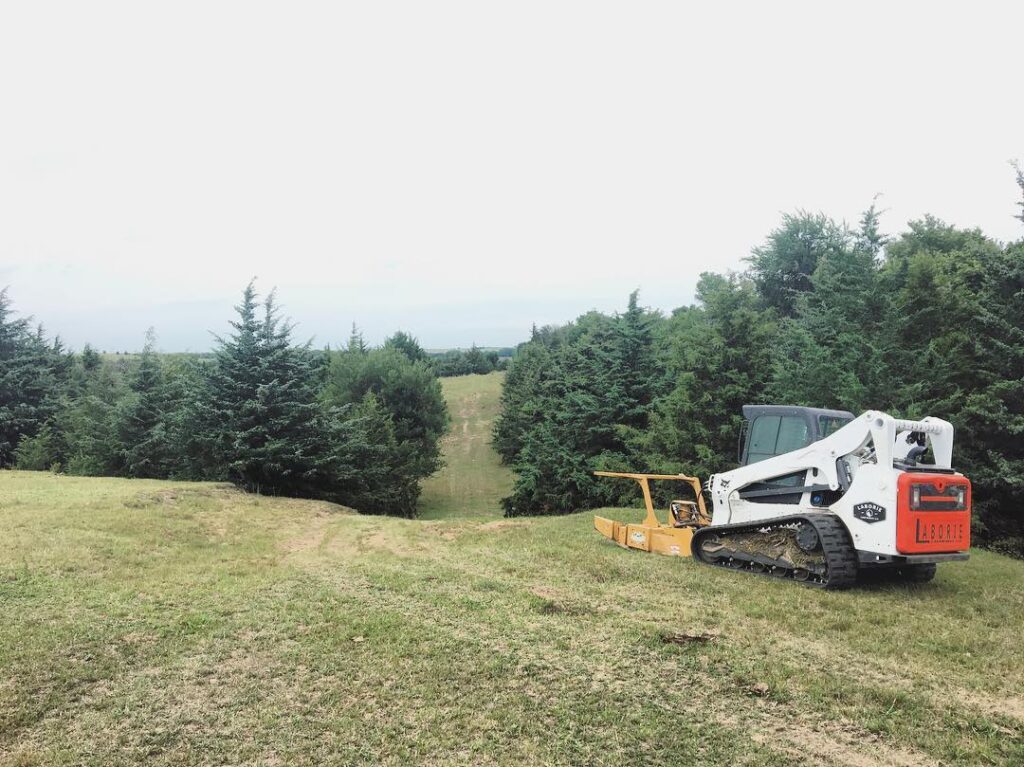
x=187 y=623
x=473 y=481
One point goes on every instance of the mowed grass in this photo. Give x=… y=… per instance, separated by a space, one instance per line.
x=163 y=623
x=473 y=481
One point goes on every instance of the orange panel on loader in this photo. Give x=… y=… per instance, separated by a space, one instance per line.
x=933 y=513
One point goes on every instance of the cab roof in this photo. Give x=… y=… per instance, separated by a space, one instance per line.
x=750 y=412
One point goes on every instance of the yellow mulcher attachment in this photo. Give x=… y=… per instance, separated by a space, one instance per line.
x=672 y=539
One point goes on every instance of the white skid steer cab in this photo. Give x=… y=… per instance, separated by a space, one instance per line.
x=820 y=496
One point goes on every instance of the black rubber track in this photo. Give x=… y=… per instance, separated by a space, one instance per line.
x=837 y=548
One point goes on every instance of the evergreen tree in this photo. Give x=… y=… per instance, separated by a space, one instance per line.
x=193 y=434
x=718 y=356
x=476 y=362
x=86 y=423
x=407 y=345
x=638 y=373
x=521 y=402
x=367 y=466
x=575 y=411
x=1020 y=182
x=140 y=418
x=31 y=374
x=782 y=267
x=356 y=344
x=408 y=391
x=838 y=351
x=90 y=359
x=264 y=402
x=37 y=453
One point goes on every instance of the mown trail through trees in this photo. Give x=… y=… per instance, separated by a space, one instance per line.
x=473 y=481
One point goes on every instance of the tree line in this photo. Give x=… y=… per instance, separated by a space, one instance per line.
x=928 y=322
x=460 y=362
x=359 y=426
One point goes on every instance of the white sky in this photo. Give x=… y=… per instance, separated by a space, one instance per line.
x=461 y=170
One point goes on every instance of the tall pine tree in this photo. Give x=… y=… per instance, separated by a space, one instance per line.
x=838 y=351
x=32 y=372
x=263 y=405
x=140 y=418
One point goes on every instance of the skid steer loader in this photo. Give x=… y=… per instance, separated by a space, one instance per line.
x=820 y=496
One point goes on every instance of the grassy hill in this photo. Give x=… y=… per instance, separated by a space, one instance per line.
x=188 y=623
x=473 y=481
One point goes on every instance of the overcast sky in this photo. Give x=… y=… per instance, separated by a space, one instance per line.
x=462 y=170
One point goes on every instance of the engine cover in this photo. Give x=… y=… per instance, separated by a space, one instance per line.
x=933 y=513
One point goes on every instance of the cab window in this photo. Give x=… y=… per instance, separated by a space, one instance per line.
x=830 y=424
x=792 y=434
x=772 y=435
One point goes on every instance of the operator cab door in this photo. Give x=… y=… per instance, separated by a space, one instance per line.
x=777 y=429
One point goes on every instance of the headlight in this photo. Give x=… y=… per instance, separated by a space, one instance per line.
x=915 y=496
